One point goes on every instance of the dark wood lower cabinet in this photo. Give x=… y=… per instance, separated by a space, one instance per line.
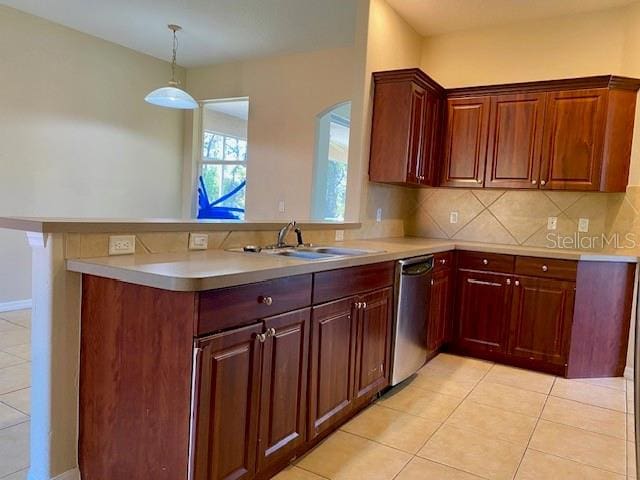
x=333 y=359
x=373 y=345
x=439 y=326
x=228 y=403
x=542 y=313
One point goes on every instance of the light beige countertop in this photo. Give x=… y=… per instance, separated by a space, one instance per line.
x=136 y=225
x=210 y=269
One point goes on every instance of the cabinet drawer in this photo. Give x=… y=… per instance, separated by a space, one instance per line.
x=442 y=261
x=491 y=262
x=345 y=282
x=547 y=268
x=235 y=306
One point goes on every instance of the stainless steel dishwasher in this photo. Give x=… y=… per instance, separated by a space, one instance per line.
x=413 y=285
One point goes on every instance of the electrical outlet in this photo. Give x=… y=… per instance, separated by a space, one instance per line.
x=122 y=244
x=198 y=241
x=453 y=217
x=552 y=223
x=339 y=235
x=583 y=225
x=281 y=207
x=379 y=215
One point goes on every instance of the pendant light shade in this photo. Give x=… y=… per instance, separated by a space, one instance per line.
x=172 y=96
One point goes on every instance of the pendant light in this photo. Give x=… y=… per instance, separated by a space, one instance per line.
x=172 y=96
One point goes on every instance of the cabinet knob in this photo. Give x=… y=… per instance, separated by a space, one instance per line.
x=364 y=305
x=266 y=300
x=485 y=261
x=261 y=337
x=508 y=281
x=517 y=283
x=271 y=332
x=443 y=261
x=533 y=182
x=431 y=281
x=545 y=268
x=543 y=182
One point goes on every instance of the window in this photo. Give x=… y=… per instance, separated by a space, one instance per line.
x=223 y=165
x=331 y=162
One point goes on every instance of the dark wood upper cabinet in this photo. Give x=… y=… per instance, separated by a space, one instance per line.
x=515 y=140
x=542 y=312
x=574 y=139
x=373 y=346
x=228 y=405
x=465 y=142
x=405 y=128
x=283 y=409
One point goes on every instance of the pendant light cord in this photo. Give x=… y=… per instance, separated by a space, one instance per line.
x=173 y=58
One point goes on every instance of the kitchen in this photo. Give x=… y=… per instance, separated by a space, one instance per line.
x=468 y=413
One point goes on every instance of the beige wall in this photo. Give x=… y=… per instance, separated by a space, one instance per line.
x=286 y=93
x=76 y=137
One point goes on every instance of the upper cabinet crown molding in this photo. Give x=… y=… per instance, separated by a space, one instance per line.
x=569 y=134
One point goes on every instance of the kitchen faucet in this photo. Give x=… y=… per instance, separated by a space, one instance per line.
x=282 y=234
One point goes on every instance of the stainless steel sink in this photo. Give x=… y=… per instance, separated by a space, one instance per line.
x=339 y=251
x=310 y=253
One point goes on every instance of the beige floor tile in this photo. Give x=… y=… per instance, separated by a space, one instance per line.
x=493 y=422
x=14 y=449
x=343 y=456
x=10 y=416
x=449 y=361
x=16 y=377
x=617 y=383
x=587 y=417
x=11 y=338
x=20 y=351
x=440 y=381
x=487 y=457
x=590 y=448
x=392 y=428
x=7 y=360
x=631 y=428
x=294 y=473
x=6 y=326
x=423 y=403
x=20 y=400
x=508 y=398
x=422 y=469
x=19 y=317
x=542 y=466
x=458 y=368
x=524 y=379
x=591 y=394
x=21 y=475
x=631 y=460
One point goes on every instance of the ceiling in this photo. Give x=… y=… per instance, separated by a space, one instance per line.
x=214 y=31
x=434 y=17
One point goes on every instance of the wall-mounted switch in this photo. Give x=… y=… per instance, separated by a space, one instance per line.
x=453 y=217
x=198 y=241
x=379 y=215
x=122 y=244
x=552 y=223
x=281 y=208
x=583 y=225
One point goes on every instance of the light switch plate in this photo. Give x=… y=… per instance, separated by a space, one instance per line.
x=583 y=225
x=339 y=235
x=198 y=241
x=453 y=217
x=552 y=223
x=122 y=244
x=281 y=206
x=379 y=215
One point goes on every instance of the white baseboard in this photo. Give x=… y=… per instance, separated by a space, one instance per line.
x=628 y=373
x=68 y=475
x=16 y=305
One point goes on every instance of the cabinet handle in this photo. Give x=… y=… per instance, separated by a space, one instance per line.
x=266 y=300
x=261 y=337
x=485 y=261
x=508 y=281
x=271 y=332
x=481 y=282
x=517 y=283
x=443 y=261
x=358 y=305
x=193 y=419
x=364 y=304
x=534 y=182
x=543 y=182
x=545 y=268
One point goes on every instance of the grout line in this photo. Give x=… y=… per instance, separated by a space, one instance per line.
x=624 y=475
x=590 y=404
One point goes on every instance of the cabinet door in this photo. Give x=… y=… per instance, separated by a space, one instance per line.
x=418 y=111
x=373 y=344
x=439 y=310
x=284 y=387
x=228 y=405
x=483 y=315
x=465 y=146
x=430 y=157
x=515 y=141
x=541 y=319
x=573 y=139
x=332 y=364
